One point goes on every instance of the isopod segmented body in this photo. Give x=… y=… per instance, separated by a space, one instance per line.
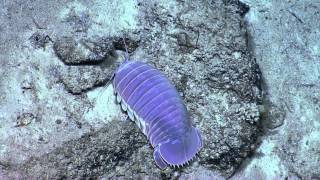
x=153 y=102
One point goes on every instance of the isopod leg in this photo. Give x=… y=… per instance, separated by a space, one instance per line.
x=158 y=159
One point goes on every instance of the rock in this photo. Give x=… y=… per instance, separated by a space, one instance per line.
x=212 y=56
x=93 y=155
x=83 y=51
x=291 y=77
x=221 y=89
x=201 y=46
x=78 y=79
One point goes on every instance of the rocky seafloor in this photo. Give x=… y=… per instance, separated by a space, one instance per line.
x=248 y=72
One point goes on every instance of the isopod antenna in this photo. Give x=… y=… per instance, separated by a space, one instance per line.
x=126 y=56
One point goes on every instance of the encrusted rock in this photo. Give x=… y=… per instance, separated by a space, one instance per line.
x=211 y=67
x=200 y=45
x=78 y=79
x=83 y=51
x=90 y=156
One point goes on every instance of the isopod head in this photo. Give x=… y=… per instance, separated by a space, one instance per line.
x=179 y=151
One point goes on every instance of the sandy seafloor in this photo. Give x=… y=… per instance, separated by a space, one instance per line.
x=248 y=71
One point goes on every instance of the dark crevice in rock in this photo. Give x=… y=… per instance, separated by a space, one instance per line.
x=40 y=39
x=132 y=45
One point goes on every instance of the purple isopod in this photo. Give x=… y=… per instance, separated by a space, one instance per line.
x=155 y=105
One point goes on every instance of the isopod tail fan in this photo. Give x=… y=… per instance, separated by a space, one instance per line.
x=180 y=151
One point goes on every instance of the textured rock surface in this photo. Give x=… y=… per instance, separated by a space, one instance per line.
x=82 y=51
x=59 y=54
x=95 y=153
x=211 y=67
x=78 y=79
x=285 y=40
